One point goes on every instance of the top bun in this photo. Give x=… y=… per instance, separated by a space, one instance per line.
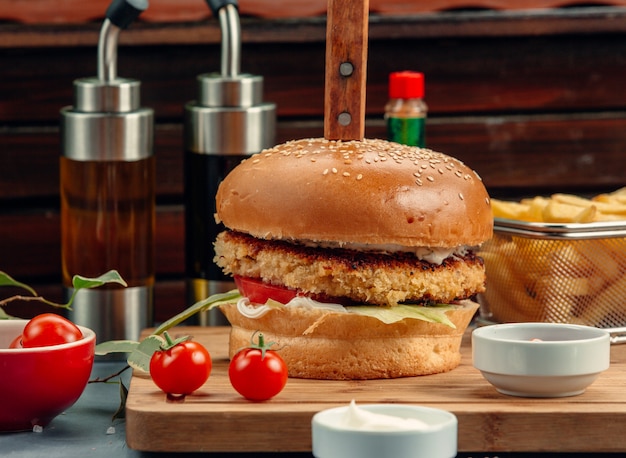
x=366 y=192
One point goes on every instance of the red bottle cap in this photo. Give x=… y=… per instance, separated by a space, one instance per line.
x=406 y=85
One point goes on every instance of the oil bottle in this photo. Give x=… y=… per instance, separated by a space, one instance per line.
x=226 y=123
x=107 y=187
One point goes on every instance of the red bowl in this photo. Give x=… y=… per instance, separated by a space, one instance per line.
x=37 y=384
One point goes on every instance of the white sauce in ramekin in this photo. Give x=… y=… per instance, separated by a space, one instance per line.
x=360 y=419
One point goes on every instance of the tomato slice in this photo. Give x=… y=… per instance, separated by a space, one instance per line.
x=258 y=292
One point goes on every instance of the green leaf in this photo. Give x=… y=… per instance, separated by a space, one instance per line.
x=140 y=357
x=79 y=282
x=121 y=410
x=5 y=316
x=201 y=306
x=112 y=276
x=7 y=280
x=116 y=346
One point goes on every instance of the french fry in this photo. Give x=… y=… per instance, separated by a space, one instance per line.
x=600 y=258
x=509 y=210
x=560 y=212
x=506 y=283
x=564 y=208
x=535 y=207
x=611 y=206
x=618 y=196
x=607 y=308
x=573 y=281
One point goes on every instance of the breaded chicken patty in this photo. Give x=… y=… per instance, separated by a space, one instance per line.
x=363 y=277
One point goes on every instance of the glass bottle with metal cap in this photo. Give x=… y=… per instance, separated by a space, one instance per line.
x=228 y=122
x=107 y=180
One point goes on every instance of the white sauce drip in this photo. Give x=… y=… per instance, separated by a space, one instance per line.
x=434 y=255
x=360 y=419
x=257 y=311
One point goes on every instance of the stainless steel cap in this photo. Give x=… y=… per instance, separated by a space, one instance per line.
x=93 y=95
x=229 y=117
x=215 y=90
x=107 y=122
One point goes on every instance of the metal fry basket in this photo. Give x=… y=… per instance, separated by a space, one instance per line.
x=558 y=273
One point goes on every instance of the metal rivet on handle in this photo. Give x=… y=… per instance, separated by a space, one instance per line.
x=344 y=118
x=346 y=69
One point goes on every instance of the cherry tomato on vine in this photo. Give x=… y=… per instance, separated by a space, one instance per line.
x=49 y=329
x=256 y=372
x=181 y=366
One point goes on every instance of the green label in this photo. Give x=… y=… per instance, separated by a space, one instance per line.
x=408 y=131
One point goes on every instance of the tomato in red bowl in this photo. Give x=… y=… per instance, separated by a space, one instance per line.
x=37 y=384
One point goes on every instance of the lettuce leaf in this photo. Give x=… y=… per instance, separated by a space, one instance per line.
x=388 y=315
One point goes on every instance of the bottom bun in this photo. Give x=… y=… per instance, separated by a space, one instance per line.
x=322 y=344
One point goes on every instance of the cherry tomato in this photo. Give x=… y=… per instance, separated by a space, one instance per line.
x=17 y=342
x=256 y=372
x=259 y=292
x=49 y=329
x=181 y=366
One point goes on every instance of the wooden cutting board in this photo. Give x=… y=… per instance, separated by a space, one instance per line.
x=217 y=419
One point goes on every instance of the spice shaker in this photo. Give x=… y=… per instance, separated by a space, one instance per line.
x=405 y=112
x=107 y=186
x=228 y=122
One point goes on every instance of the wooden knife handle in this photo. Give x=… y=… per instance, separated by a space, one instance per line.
x=346 y=69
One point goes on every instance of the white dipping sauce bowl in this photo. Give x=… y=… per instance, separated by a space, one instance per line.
x=540 y=359
x=333 y=439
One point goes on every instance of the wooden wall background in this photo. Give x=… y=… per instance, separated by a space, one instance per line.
x=534 y=100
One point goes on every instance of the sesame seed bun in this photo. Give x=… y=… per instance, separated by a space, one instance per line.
x=370 y=191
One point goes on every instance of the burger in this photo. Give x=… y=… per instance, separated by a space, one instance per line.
x=356 y=258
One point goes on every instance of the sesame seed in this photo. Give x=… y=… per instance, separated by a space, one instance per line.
x=359 y=176
x=461 y=196
x=325 y=172
x=429 y=178
x=256 y=161
x=346 y=174
x=334 y=170
x=458 y=173
x=419 y=182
